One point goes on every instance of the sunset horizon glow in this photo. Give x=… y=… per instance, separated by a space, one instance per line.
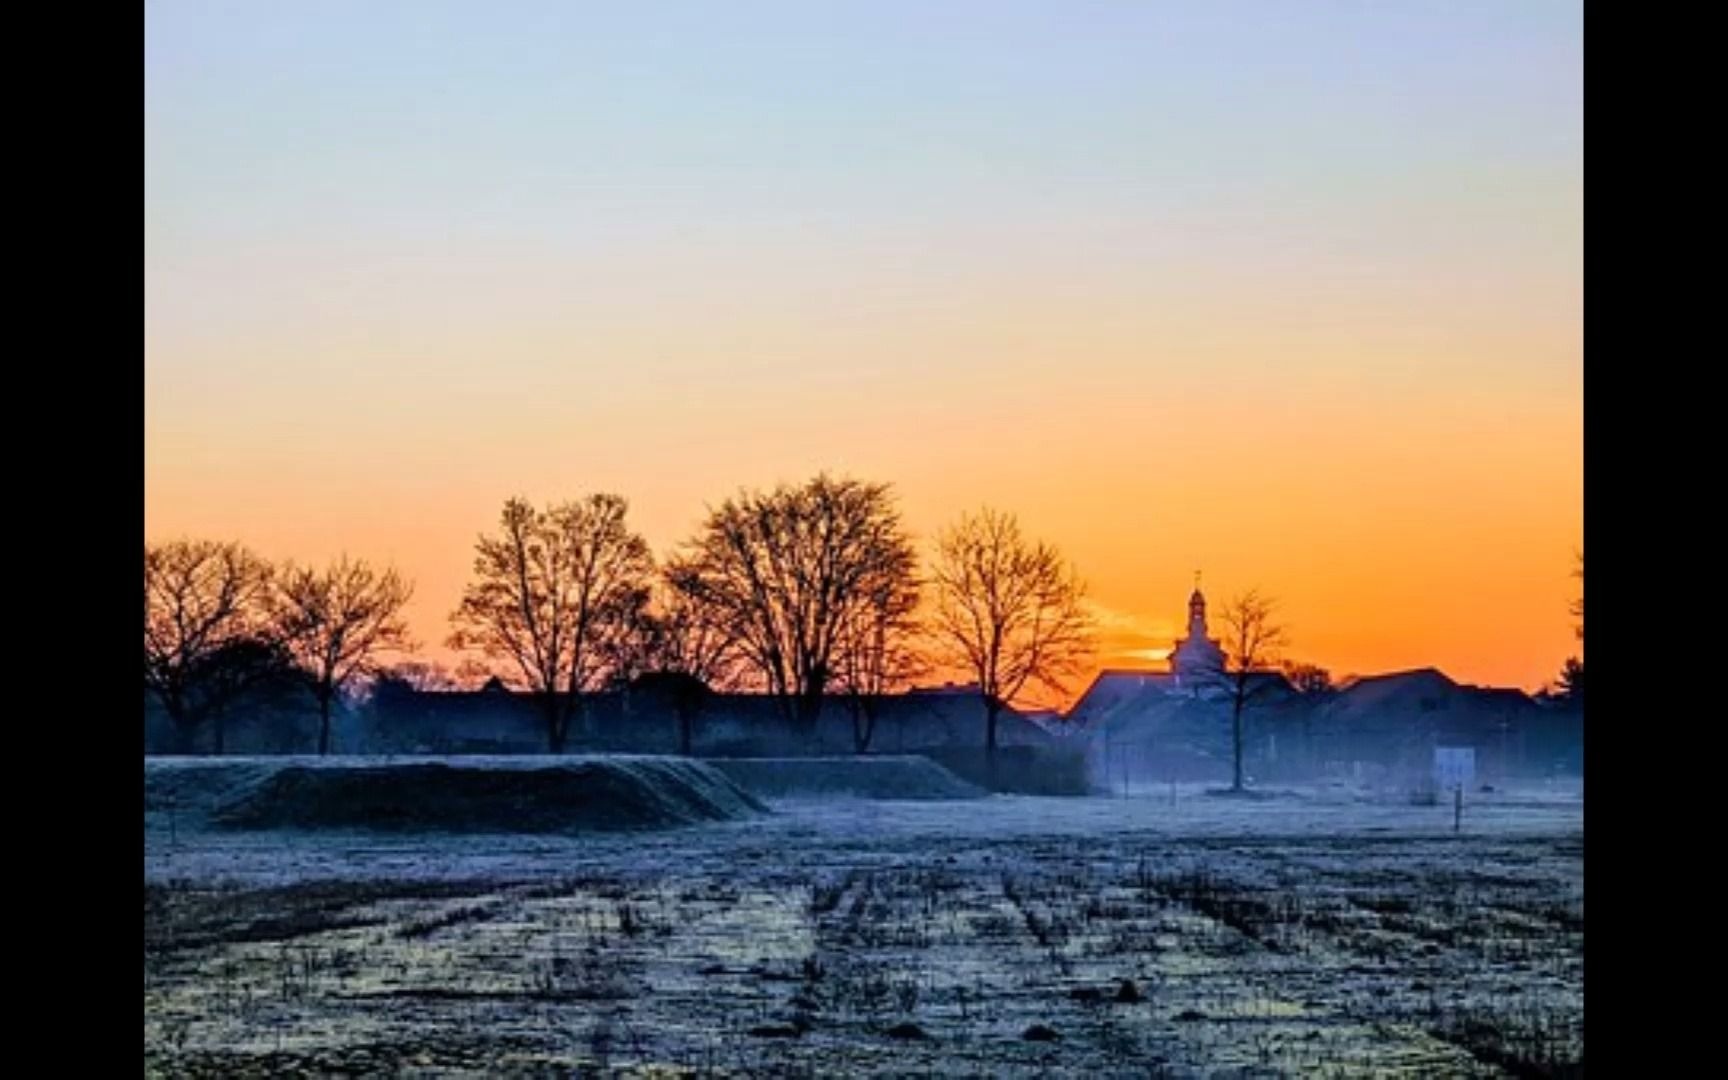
x=1288 y=295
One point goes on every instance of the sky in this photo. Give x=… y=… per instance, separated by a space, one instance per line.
x=1286 y=293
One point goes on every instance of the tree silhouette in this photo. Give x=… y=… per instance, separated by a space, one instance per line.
x=1577 y=608
x=667 y=645
x=1310 y=680
x=255 y=669
x=629 y=641
x=551 y=590
x=690 y=649
x=1251 y=641
x=1572 y=681
x=335 y=622
x=200 y=597
x=1008 y=610
x=879 y=652
x=785 y=571
x=693 y=638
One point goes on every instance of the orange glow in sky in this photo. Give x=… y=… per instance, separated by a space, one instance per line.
x=1295 y=307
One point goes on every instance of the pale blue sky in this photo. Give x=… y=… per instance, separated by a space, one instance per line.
x=351 y=129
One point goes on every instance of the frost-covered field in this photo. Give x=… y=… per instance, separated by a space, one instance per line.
x=1312 y=932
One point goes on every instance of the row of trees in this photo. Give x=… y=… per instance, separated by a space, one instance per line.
x=220 y=622
x=804 y=592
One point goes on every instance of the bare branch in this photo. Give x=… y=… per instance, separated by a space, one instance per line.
x=782 y=575
x=1008 y=610
x=336 y=622
x=1252 y=641
x=554 y=596
x=200 y=597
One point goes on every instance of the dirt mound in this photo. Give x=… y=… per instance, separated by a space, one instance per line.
x=860 y=777
x=197 y=785
x=567 y=795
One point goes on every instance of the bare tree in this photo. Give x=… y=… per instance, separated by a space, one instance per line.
x=633 y=644
x=519 y=608
x=686 y=649
x=255 y=670
x=784 y=572
x=335 y=622
x=1309 y=680
x=1251 y=644
x=614 y=575
x=694 y=638
x=550 y=592
x=200 y=598
x=1009 y=610
x=879 y=652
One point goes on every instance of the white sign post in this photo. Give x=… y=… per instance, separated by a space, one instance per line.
x=1454 y=767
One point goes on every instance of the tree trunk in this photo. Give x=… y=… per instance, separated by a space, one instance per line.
x=863 y=725
x=578 y=720
x=1236 y=730
x=323 y=724
x=809 y=711
x=992 y=708
x=551 y=710
x=684 y=729
x=220 y=724
x=182 y=728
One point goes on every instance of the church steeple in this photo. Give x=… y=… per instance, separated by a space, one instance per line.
x=1196 y=658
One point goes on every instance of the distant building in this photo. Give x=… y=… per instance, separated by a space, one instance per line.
x=1194 y=667
x=1396 y=720
x=1197 y=660
x=1137 y=728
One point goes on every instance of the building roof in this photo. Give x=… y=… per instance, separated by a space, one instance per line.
x=1422 y=697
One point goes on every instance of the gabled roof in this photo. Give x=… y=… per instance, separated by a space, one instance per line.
x=1423 y=695
x=1370 y=691
x=1111 y=689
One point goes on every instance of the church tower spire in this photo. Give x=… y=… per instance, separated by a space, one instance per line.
x=1196 y=658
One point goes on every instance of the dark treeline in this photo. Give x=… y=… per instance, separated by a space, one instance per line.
x=221 y=623
x=810 y=593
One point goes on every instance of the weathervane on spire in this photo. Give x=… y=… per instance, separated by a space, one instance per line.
x=1196 y=581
